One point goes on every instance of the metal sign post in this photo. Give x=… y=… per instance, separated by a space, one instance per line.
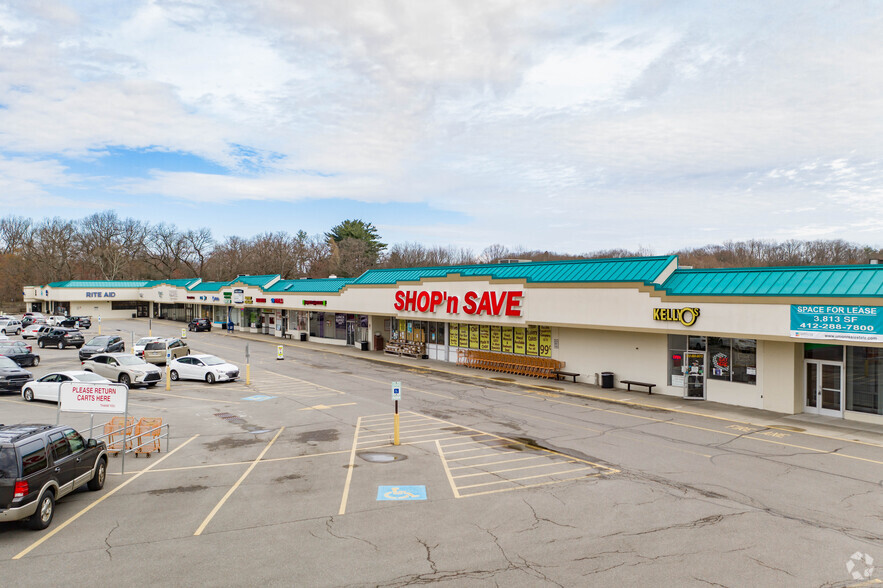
x=150 y=327
x=247 y=367
x=168 y=369
x=396 y=396
x=99 y=324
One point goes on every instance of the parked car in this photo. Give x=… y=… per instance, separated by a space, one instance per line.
x=61 y=338
x=47 y=387
x=55 y=320
x=34 y=331
x=200 y=324
x=40 y=464
x=12 y=376
x=138 y=348
x=202 y=367
x=155 y=352
x=77 y=322
x=10 y=326
x=123 y=368
x=32 y=320
x=19 y=352
x=102 y=344
x=32 y=315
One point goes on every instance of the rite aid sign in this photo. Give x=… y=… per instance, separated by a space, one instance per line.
x=93 y=397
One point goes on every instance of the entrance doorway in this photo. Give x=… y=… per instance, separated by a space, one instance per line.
x=694 y=375
x=823 y=389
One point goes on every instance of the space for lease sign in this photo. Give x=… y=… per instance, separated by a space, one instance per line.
x=92 y=397
x=842 y=323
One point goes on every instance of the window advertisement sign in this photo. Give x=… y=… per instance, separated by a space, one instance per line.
x=545 y=341
x=496 y=339
x=533 y=340
x=473 y=336
x=519 y=341
x=93 y=397
x=464 y=335
x=454 y=335
x=507 y=339
x=842 y=323
x=484 y=337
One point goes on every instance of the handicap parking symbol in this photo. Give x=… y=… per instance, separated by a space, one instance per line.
x=401 y=493
x=258 y=397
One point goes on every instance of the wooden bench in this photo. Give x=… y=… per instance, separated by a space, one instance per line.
x=561 y=375
x=630 y=383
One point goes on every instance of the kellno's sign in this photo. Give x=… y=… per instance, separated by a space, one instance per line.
x=485 y=303
x=93 y=397
x=685 y=316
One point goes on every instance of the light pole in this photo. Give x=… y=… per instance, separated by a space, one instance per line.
x=133 y=337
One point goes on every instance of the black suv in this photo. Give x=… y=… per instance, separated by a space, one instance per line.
x=77 y=322
x=102 y=344
x=61 y=337
x=40 y=464
x=200 y=324
x=12 y=377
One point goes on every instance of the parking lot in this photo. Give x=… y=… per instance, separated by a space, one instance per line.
x=292 y=479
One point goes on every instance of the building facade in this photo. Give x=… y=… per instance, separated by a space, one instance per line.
x=789 y=340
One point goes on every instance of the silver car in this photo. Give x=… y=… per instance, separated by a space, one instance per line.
x=123 y=368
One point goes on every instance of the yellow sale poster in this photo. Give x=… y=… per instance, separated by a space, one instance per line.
x=506 y=337
x=453 y=335
x=533 y=340
x=464 y=335
x=519 y=341
x=484 y=337
x=473 y=336
x=495 y=339
x=545 y=341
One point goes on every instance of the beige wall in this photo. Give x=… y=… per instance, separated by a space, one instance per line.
x=781 y=365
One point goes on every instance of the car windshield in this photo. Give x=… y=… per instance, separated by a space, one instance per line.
x=212 y=360
x=8 y=464
x=155 y=345
x=129 y=360
x=89 y=378
x=5 y=362
x=99 y=340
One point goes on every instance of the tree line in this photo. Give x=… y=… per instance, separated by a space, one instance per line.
x=107 y=247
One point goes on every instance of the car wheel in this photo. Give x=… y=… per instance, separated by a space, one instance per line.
x=45 y=509
x=41 y=344
x=97 y=481
x=28 y=394
x=3 y=331
x=36 y=361
x=125 y=379
x=210 y=378
x=18 y=331
x=60 y=345
x=173 y=375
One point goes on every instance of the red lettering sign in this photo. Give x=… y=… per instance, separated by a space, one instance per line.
x=487 y=303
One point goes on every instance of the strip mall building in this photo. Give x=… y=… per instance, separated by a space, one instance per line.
x=790 y=340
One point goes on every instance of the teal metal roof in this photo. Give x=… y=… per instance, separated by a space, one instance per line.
x=99 y=284
x=177 y=282
x=260 y=281
x=209 y=286
x=635 y=269
x=829 y=281
x=308 y=286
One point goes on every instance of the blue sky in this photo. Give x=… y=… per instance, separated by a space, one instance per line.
x=568 y=126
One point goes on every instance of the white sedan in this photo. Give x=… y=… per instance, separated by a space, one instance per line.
x=48 y=387
x=34 y=331
x=202 y=367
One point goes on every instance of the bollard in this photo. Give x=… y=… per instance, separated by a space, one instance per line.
x=183 y=333
x=279 y=353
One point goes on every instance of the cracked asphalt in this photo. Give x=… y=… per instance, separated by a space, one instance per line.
x=525 y=485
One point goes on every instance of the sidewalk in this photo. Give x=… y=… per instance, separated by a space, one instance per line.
x=800 y=423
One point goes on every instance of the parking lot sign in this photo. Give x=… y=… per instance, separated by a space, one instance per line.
x=396 y=390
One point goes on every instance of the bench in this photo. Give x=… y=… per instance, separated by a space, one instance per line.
x=561 y=375
x=631 y=383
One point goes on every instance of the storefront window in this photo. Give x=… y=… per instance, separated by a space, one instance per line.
x=864 y=379
x=823 y=352
x=676 y=350
x=729 y=360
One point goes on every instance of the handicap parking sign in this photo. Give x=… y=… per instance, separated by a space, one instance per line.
x=401 y=493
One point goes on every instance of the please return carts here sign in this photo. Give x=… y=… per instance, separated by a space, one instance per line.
x=93 y=397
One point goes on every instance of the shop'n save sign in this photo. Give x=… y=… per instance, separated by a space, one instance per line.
x=488 y=303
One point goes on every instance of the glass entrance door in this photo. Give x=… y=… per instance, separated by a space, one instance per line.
x=694 y=375
x=823 y=389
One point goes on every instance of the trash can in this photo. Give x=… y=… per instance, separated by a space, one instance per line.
x=363 y=345
x=303 y=336
x=607 y=379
